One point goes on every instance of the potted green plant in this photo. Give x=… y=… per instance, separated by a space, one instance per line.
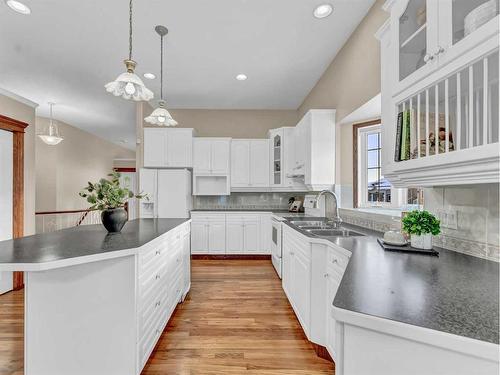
x=421 y=226
x=109 y=197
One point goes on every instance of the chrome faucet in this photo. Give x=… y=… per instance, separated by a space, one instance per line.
x=335 y=220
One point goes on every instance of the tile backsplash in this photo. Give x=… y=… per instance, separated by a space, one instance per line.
x=476 y=208
x=277 y=201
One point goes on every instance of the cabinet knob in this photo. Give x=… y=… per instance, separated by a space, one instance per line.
x=428 y=57
x=326 y=275
x=158 y=252
x=157 y=277
x=334 y=260
x=439 y=50
x=292 y=253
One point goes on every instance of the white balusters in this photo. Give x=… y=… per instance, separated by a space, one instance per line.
x=446 y=116
x=458 y=135
x=470 y=136
x=485 y=101
x=427 y=122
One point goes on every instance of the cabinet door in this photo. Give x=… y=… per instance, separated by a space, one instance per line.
x=287 y=270
x=331 y=290
x=240 y=163
x=276 y=158
x=302 y=288
x=251 y=236
x=199 y=237
x=154 y=147
x=179 y=148
x=266 y=233
x=186 y=263
x=234 y=236
x=201 y=155
x=220 y=156
x=259 y=163
x=414 y=27
x=217 y=238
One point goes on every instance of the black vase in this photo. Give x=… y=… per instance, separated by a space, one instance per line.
x=114 y=219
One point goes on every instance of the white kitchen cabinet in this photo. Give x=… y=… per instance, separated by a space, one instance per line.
x=208 y=234
x=428 y=35
x=249 y=164
x=315 y=149
x=219 y=232
x=186 y=263
x=168 y=148
x=211 y=156
x=446 y=83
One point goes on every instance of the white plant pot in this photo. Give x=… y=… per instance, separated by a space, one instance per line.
x=423 y=241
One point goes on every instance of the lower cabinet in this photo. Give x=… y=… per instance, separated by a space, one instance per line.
x=230 y=233
x=164 y=278
x=312 y=272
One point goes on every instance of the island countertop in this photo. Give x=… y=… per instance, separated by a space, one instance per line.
x=453 y=293
x=80 y=244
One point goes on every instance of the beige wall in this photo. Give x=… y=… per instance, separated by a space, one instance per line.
x=23 y=112
x=63 y=170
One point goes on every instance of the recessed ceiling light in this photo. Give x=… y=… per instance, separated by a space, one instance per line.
x=149 y=76
x=18 y=7
x=323 y=11
x=241 y=77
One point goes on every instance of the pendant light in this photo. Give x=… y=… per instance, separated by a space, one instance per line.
x=52 y=137
x=128 y=85
x=160 y=115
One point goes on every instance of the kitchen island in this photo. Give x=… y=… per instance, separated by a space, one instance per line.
x=389 y=312
x=96 y=303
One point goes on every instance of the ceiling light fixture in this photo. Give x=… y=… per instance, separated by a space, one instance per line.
x=149 y=75
x=241 y=77
x=128 y=85
x=18 y=7
x=323 y=11
x=160 y=115
x=52 y=137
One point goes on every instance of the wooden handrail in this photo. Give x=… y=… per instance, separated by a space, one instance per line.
x=63 y=212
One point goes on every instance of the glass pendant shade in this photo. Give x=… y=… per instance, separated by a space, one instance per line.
x=128 y=85
x=52 y=137
x=160 y=116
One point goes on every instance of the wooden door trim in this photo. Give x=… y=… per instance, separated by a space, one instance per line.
x=18 y=129
x=355 y=128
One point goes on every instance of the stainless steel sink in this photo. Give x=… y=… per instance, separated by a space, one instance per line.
x=334 y=233
x=311 y=227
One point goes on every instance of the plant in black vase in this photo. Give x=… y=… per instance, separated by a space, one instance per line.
x=110 y=198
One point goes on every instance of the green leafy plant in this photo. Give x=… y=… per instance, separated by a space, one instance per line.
x=108 y=194
x=421 y=222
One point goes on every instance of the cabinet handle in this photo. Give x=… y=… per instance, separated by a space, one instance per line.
x=158 y=252
x=439 y=50
x=335 y=261
x=292 y=253
x=326 y=275
x=157 y=277
x=428 y=57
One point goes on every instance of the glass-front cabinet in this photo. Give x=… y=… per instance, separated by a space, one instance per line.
x=428 y=34
x=276 y=136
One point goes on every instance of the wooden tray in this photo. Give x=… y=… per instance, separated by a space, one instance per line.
x=406 y=248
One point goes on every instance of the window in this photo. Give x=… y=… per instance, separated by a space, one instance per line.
x=371 y=189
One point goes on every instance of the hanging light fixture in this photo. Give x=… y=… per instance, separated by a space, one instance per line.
x=52 y=137
x=128 y=85
x=160 y=115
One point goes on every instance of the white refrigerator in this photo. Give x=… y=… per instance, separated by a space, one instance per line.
x=169 y=192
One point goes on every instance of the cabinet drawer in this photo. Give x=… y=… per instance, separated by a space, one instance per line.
x=150 y=337
x=151 y=259
x=151 y=281
x=150 y=309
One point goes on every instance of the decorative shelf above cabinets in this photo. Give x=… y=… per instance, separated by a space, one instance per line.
x=440 y=124
x=168 y=148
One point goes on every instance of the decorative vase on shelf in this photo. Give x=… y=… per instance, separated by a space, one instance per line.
x=424 y=241
x=114 y=219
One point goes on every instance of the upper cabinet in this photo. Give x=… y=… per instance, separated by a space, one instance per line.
x=440 y=112
x=211 y=166
x=249 y=163
x=430 y=34
x=315 y=149
x=211 y=156
x=168 y=148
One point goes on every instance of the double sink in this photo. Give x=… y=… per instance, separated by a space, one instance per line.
x=323 y=229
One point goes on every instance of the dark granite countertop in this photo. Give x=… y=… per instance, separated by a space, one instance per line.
x=454 y=293
x=82 y=241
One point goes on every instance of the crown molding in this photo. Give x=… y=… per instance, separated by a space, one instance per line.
x=18 y=98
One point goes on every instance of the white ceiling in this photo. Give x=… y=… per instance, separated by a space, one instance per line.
x=66 y=50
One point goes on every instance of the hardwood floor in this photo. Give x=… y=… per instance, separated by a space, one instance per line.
x=235 y=320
